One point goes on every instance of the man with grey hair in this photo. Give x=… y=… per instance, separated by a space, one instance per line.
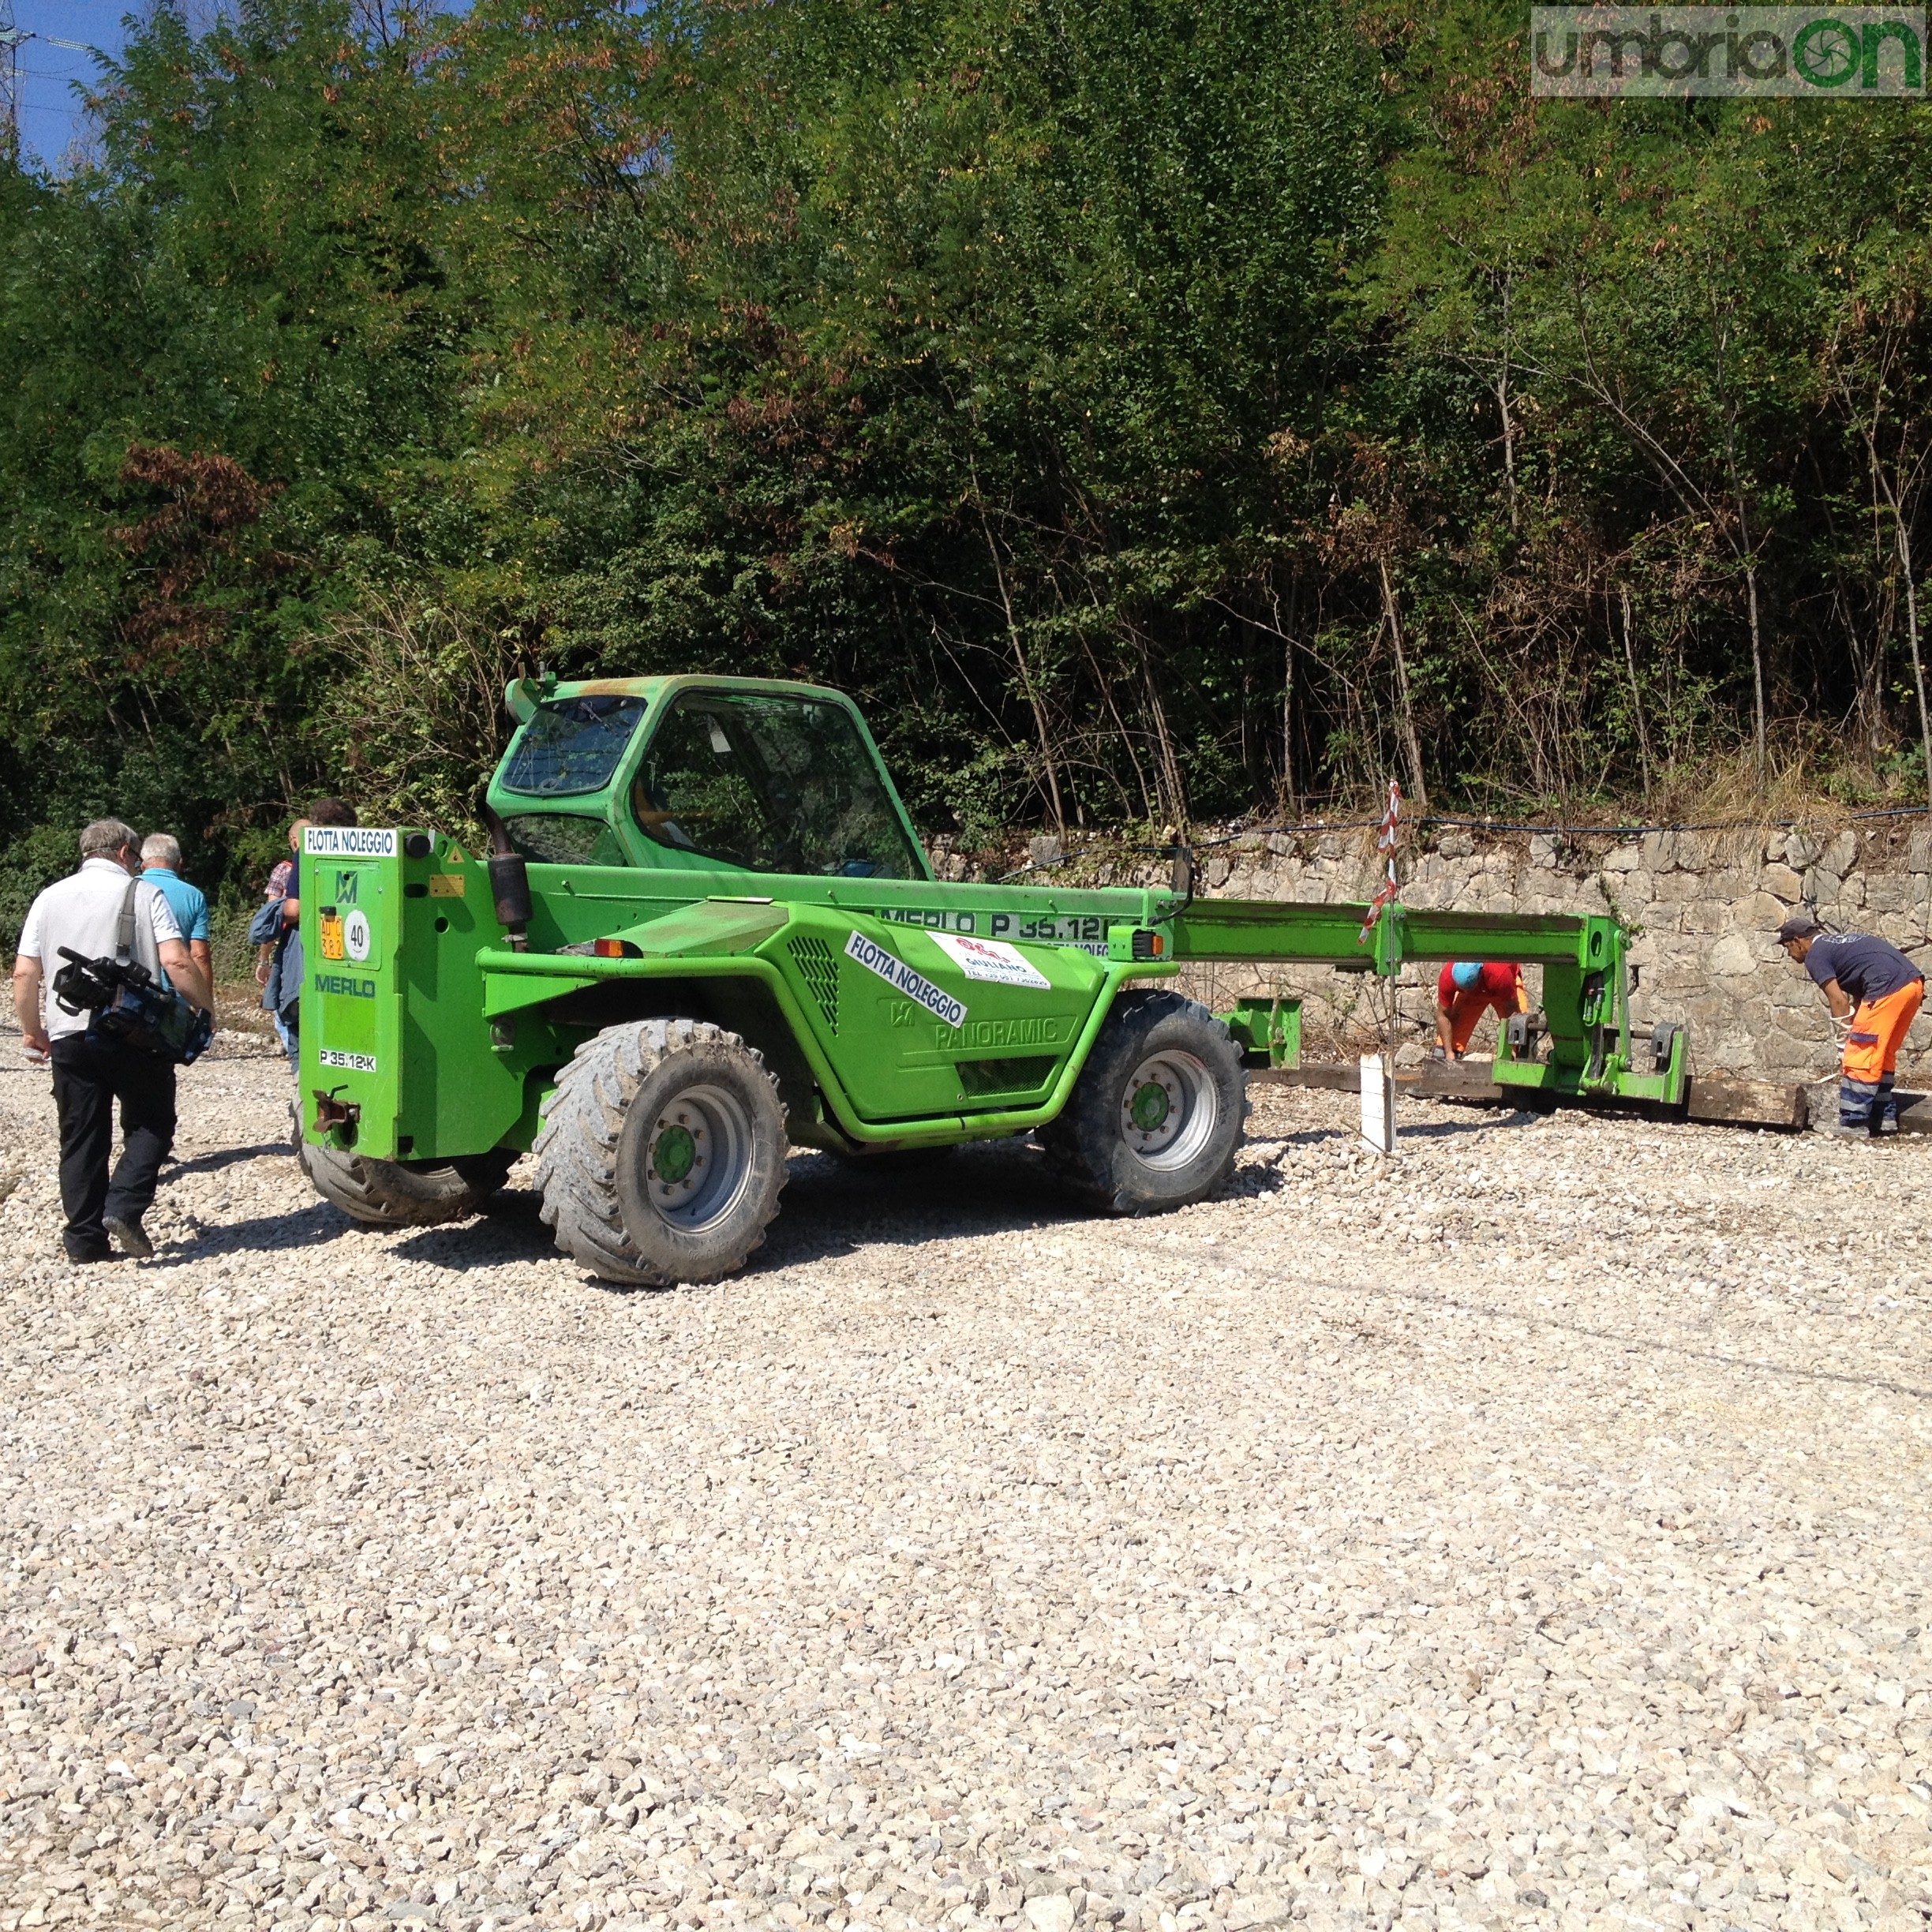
x=90 y=1076
x=161 y=857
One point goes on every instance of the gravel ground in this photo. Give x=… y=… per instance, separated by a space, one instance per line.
x=1530 y=1530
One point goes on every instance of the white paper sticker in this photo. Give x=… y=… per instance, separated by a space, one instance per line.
x=356 y=1063
x=355 y=935
x=992 y=959
x=349 y=842
x=897 y=973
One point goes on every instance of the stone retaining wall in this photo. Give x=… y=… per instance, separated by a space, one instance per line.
x=1704 y=905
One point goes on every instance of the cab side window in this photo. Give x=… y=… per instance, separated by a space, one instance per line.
x=694 y=793
x=773 y=783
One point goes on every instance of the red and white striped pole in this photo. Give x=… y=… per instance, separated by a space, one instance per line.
x=1385 y=843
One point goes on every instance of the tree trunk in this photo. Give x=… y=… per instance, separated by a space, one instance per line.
x=1912 y=633
x=1288 y=693
x=1412 y=746
x=1288 y=792
x=1509 y=444
x=1104 y=684
x=1502 y=408
x=1757 y=684
x=1746 y=549
x=1629 y=665
x=1049 y=767
x=1174 y=804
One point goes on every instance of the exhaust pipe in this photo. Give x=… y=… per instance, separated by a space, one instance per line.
x=509 y=878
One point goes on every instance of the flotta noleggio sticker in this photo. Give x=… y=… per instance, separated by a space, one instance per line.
x=350 y=841
x=897 y=974
x=993 y=961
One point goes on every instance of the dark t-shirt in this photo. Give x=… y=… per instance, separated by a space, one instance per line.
x=1866 y=967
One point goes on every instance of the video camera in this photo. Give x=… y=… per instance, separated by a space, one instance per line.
x=132 y=1009
x=85 y=985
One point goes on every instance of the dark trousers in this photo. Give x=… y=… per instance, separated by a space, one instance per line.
x=88 y=1080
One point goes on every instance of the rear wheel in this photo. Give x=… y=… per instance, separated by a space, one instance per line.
x=661 y=1153
x=386 y=1194
x=1156 y=1116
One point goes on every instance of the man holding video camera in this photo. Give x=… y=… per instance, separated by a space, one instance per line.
x=84 y=915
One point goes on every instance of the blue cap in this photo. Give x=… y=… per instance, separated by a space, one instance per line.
x=1465 y=973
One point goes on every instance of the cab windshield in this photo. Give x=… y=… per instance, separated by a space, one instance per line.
x=571 y=745
x=773 y=783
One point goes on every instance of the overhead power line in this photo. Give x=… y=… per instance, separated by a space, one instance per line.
x=12 y=38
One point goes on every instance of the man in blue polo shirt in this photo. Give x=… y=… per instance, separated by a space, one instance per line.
x=161 y=857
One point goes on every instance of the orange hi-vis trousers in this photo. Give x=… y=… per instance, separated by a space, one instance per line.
x=1871 y=1052
x=1466 y=1008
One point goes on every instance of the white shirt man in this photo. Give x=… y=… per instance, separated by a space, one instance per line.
x=83 y=912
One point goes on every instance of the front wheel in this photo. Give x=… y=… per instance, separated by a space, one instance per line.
x=661 y=1153
x=1155 y=1118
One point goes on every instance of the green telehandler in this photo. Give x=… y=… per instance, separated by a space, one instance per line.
x=704 y=930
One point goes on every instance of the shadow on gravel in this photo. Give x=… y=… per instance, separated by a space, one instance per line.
x=832 y=1207
x=507 y=1229
x=1438 y=1130
x=209 y=1163
x=1431 y=1130
x=304 y=1227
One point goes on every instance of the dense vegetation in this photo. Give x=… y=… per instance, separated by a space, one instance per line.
x=1153 y=409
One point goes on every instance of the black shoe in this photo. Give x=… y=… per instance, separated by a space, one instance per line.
x=84 y=1254
x=129 y=1236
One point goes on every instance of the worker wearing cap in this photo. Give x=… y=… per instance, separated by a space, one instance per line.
x=1467 y=989
x=1875 y=992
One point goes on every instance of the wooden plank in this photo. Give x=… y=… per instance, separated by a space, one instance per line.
x=1426 y=1083
x=1437 y=1081
x=1341 y=1077
x=1914 y=1114
x=1726 y=1100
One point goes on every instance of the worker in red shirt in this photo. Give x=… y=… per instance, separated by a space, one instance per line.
x=1467 y=989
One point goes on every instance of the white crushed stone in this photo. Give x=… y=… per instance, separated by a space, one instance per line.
x=1531 y=1531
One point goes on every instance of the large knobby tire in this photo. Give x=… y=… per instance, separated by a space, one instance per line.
x=1156 y=1115
x=386 y=1194
x=661 y=1153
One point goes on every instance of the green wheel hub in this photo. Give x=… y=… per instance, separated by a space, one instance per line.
x=1170 y=1108
x=698 y=1157
x=673 y=1155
